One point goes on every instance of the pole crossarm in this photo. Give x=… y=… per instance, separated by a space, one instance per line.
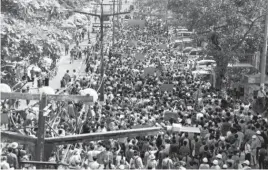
x=119 y=13
x=87 y=13
x=13 y=136
x=103 y=136
x=27 y=96
x=99 y=15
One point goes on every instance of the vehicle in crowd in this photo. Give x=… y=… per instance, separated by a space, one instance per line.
x=205 y=75
x=186 y=34
x=182 y=43
x=194 y=54
x=181 y=29
x=205 y=64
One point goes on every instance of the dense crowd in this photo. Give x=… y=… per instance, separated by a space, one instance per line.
x=232 y=135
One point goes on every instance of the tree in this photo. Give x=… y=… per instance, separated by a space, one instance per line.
x=33 y=29
x=232 y=27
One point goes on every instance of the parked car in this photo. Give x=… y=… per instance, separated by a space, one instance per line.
x=194 y=54
x=205 y=64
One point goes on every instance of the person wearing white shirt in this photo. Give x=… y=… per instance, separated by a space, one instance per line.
x=74 y=76
x=92 y=153
x=4 y=164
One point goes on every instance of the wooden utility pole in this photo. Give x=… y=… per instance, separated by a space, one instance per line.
x=113 y=21
x=264 y=53
x=40 y=145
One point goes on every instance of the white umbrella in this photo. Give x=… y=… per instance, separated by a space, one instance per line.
x=46 y=90
x=35 y=68
x=91 y=92
x=5 y=88
x=48 y=60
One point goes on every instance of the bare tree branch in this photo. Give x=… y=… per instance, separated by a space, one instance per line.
x=246 y=34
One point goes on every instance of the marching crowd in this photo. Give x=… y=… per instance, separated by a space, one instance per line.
x=232 y=135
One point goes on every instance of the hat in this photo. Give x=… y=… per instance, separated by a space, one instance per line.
x=246 y=162
x=254 y=137
x=219 y=156
x=205 y=160
x=215 y=162
x=224 y=166
x=14 y=145
x=222 y=138
x=258 y=132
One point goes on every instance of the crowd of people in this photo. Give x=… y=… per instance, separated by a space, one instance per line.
x=232 y=135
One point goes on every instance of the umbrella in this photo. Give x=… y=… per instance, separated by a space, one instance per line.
x=68 y=25
x=48 y=60
x=46 y=90
x=35 y=68
x=91 y=92
x=109 y=87
x=5 y=88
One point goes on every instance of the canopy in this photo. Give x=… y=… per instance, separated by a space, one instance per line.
x=201 y=72
x=46 y=90
x=91 y=92
x=5 y=88
x=205 y=61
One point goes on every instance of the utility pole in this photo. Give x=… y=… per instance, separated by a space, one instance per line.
x=101 y=16
x=113 y=21
x=264 y=53
x=118 y=10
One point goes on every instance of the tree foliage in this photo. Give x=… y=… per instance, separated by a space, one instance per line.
x=33 y=29
x=233 y=27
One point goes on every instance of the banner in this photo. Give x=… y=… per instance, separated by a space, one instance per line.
x=162 y=46
x=166 y=87
x=170 y=115
x=132 y=43
x=139 y=56
x=140 y=23
x=149 y=71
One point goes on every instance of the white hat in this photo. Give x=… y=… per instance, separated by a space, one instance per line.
x=14 y=145
x=219 y=156
x=258 y=132
x=222 y=138
x=215 y=162
x=205 y=160
x=246 y=162
x=254 y=136
x=225 y=166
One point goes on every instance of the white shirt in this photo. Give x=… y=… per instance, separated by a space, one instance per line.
x=91 y=154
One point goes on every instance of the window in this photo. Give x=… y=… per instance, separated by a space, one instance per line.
x=193 y=53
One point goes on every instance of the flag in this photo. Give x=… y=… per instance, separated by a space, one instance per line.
x=149 y=71
x=166 y=87
x=139 y=56
x=140 y=23
x=162 y=46
x=132 y=43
